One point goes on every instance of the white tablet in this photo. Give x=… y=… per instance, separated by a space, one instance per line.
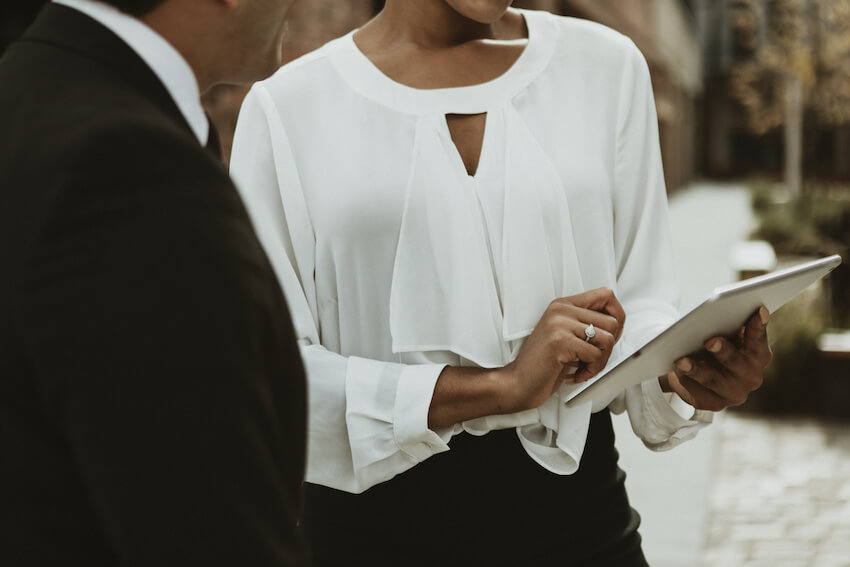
x=722 y=314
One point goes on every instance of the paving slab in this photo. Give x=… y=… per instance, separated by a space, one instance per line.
x=804 y=517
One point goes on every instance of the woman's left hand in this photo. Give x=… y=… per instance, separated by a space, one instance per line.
x=725 y=373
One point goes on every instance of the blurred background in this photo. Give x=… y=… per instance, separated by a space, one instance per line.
x=753 y=100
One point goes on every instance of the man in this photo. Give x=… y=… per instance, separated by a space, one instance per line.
x=152 y=401
x=15 y=16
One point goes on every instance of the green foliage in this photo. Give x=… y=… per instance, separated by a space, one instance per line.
x=788 y=380
x=804 y=40
x=764 y=194
x=817 y=223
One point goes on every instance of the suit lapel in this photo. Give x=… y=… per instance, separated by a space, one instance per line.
x=69 y=29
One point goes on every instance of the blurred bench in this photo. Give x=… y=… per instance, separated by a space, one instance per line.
x=752 y=258
x=834 y=373
x=835 y=344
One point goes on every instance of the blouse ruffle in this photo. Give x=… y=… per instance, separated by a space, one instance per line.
x=448 y=291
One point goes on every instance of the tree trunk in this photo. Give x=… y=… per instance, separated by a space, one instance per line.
x=842 y=152
x=794 y=135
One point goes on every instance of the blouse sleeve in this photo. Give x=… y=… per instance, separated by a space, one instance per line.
x=368 y=419
x=646 y=279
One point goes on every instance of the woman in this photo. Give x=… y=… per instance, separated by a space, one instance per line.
x=463 y=203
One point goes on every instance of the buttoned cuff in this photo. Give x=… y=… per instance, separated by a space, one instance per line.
x=410 y=413
x=673 y=419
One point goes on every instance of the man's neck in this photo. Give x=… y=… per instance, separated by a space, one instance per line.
x=176 y=27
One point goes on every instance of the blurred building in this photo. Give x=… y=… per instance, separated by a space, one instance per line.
x=730 y=149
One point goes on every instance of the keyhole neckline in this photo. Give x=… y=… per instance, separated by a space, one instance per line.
x=479 y=159
x=366 y=78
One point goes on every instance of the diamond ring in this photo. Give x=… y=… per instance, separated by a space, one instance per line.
x=589 y=333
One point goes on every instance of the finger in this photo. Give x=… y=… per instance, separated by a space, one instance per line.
x=695 y=394
x=568 y=373
x=674 y=384
x=615 y=310
x=590 y=370
x=587 y=352
x=712 y=376
x=603 y=300
x=754 y=341
x=583 y=375
x=592 y=359
x=592 y=367
x=735 y=360
x=587 y=317
x=601 y=339
x=599 y=296
x=566 y=338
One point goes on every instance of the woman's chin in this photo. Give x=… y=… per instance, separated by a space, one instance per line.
x=481 y=11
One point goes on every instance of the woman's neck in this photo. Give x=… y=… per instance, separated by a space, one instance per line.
x=433 y=24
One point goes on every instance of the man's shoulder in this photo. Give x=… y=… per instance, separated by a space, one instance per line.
x=130 y=149
x=119 y=141
x=70 y=139
x=57 y=116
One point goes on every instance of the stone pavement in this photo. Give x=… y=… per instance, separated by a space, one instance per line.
x=780 y=495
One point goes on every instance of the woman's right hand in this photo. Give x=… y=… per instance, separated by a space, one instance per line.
x=558 y=345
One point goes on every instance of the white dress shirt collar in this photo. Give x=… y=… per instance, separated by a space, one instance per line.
x=165 y=61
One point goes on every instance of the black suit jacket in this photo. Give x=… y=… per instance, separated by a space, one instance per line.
x=152 y=399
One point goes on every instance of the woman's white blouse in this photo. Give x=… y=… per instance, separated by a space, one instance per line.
x=395 y=262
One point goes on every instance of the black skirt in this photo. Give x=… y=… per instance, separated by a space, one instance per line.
x=485 y=502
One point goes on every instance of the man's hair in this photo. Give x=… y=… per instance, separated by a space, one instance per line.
x=134 y=7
